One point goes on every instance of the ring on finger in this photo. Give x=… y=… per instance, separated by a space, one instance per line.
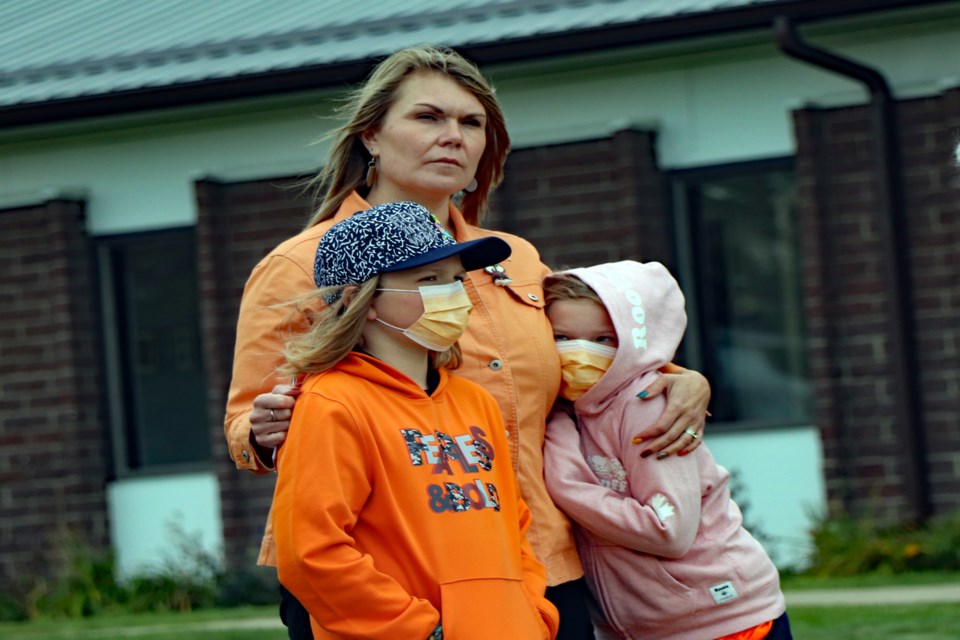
x=692 y=433
x=273 y=416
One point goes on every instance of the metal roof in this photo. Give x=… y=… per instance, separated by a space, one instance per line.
x=64 y=53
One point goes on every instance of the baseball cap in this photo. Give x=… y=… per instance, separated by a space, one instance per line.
x=391 y=237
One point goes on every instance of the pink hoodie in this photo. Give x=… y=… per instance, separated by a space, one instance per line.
x=662 y=543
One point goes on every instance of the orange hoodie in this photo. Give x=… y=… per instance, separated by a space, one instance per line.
x=395 y=511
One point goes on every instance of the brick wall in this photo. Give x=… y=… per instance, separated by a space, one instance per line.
x=237 y=224
x=586 y=202
x=848 y=303
x=53 y=438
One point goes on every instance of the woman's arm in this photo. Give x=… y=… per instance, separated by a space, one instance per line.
x=266 y=319
x=688 y=395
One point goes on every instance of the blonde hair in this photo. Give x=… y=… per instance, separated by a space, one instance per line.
x=566 y=286
x=337 y=329
x=365 y=109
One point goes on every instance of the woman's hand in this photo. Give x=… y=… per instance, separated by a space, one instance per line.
x=688 y=394
x=271 y=413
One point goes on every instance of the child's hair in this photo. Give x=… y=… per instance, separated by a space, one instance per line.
x=566 y=286
x=337 y=330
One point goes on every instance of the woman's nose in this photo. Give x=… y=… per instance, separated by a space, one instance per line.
x=452 y=133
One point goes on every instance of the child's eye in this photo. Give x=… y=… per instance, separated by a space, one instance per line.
x=460 y=277
x=428 y=279
x=606 y=340
x=559 y=338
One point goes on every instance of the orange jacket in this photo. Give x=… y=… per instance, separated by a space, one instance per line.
x=395 y=510
x=508 y=349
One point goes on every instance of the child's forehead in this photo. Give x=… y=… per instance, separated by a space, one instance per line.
x=579 y=308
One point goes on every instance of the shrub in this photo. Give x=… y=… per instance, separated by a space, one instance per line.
x=845 y=546
x=85 y=583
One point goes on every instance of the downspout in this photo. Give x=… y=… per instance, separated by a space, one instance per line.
x=893 y=231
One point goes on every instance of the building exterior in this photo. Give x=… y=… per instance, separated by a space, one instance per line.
x=792 y=162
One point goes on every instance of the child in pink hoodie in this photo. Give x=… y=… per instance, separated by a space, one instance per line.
x=661 y=541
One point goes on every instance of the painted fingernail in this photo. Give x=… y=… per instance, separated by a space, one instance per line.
x=637 y=440
x=646 y=454
x=643 y=394
x=682 y=453
x=662 y=455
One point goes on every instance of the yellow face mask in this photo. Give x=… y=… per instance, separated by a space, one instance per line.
x=446 y=308
x=582 y=364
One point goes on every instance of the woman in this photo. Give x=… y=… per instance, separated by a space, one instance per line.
x=426 y=125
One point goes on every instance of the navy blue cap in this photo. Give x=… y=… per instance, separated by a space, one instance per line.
x=392 y=237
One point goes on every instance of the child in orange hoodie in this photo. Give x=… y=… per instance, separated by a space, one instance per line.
x=396 y=510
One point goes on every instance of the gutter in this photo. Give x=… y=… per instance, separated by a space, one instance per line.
x=894 y=230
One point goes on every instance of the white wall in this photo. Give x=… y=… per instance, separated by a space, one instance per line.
x=151 y=518
x=731 y=105
x=781 y=478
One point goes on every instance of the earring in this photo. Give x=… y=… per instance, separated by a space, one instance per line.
x=470 y=188
x=371 y=171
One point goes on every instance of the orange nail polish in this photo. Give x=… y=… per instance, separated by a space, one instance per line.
x=637 y=440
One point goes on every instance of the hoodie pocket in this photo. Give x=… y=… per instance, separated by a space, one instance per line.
x=635 y=591
x=489 y=609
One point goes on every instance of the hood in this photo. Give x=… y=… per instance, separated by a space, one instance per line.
x=365 y=366
x=646 y=306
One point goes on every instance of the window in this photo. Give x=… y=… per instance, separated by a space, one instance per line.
x=156 y=385
x=739 y=252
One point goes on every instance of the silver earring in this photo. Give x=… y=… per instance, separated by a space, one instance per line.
x=371 y=171
x=470 y=188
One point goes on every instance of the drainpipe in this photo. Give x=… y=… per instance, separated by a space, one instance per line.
x=893 y=230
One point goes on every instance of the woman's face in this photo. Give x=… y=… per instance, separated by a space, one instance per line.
x=430 y=142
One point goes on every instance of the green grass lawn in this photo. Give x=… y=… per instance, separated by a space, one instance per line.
x=887 y=622
x=214 y=624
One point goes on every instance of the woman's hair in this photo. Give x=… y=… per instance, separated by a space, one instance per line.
x=566 y=286
x=337 y=330
x=366 y=107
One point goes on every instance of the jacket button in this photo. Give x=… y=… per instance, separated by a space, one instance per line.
x=245 y=455
x=496 y=365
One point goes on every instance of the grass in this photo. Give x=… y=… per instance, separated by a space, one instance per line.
x=886 y=622
x=209 y=624
x=937 y=621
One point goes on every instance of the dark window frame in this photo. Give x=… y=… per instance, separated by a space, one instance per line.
x=121 y=394
x=695 y=347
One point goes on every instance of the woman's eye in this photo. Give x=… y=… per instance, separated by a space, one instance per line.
x=471 y=122
x=426 y=116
